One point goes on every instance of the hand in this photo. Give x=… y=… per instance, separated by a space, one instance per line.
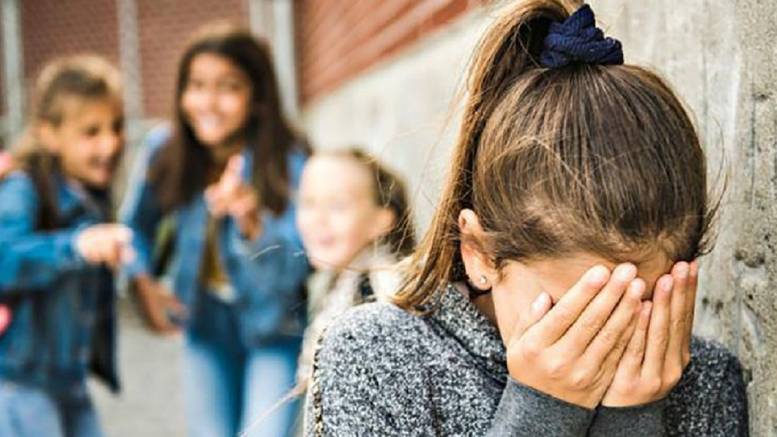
x=571 y=351
x=5 y=317
x=659 y=350
x=231 y=196
x=158 y=305
x=6 y=164
x=105 y=243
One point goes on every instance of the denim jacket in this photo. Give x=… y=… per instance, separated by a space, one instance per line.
x=267 y=274
x=63 y=308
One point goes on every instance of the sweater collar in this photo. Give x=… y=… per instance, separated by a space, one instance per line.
x=461 y=319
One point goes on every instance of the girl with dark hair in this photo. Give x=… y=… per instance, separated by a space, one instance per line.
x=554 y=293
x=58 y=249
x=226 y=173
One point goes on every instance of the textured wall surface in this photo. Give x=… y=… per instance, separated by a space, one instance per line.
x=720 y=56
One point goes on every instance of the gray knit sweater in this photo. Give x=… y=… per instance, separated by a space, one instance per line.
x=381 y=371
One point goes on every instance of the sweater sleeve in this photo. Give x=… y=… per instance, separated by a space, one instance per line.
x=731 y=402
x=523 y=411
x=642 y=420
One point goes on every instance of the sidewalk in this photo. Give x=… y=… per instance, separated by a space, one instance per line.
x=151 y=401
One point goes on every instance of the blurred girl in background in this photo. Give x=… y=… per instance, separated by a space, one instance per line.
x=58 y=246
x=227 y=172
x=355 y=223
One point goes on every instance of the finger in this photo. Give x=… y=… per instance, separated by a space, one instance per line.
x=114 y=253
x=244 y=206
x=658 y=329
x=122 y=233
x=168 y=300
x=526 y=319
x=566 y=311
x=212 y=195
x=232 y=175
x=609 y=365
x=623 y=316
x=215 y=201
x=677 y=316
x=103 y=251
x=87 y=253
x=162 y=324
x=597 y=313
x=693 y=282
x=634 y=354
x=128 y=254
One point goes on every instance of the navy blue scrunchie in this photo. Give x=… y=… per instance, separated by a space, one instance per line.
x=578 y=39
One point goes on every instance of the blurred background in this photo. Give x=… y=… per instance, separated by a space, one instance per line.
x=386 y=76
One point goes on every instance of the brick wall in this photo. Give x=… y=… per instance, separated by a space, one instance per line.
x=54 y=28
x=165 y=27
x=336 y=40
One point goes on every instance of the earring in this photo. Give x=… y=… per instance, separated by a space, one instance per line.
x=476 y=292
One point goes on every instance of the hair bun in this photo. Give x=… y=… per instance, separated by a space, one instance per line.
x=578 y=39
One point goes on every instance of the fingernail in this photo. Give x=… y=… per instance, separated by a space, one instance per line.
x=540 y=302
x=598 y=275
x=637 y=288
x=668 y=282
x=625 y=272
x=681 y=270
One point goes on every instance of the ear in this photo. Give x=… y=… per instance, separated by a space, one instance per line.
x=47 y=134
x=481 y=272
x=384 y=222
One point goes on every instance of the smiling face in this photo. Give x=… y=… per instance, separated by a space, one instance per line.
x=88 y=141
x=338 y=216
x=216 y=100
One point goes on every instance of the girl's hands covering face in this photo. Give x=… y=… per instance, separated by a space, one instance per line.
x=659 y=349
x=571 y=351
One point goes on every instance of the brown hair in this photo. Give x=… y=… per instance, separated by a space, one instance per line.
x=388 y=192
x=83 y=77
x=600 y=159
x=183 y=164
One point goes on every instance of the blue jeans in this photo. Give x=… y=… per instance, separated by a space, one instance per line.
x=230 y=388
x=32 y=412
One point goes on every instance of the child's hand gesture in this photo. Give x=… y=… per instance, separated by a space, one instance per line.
x=162 y=310
x=659 y=349
x=232 y=196
x=572 y=352
x=105 y=243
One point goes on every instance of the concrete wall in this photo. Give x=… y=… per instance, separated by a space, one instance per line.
x=719 y=55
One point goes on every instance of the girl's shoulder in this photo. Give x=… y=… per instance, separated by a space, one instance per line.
x=19 y=200
x=377 y=333
x=712 y=385
x=712 y=361
x=19 y=184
